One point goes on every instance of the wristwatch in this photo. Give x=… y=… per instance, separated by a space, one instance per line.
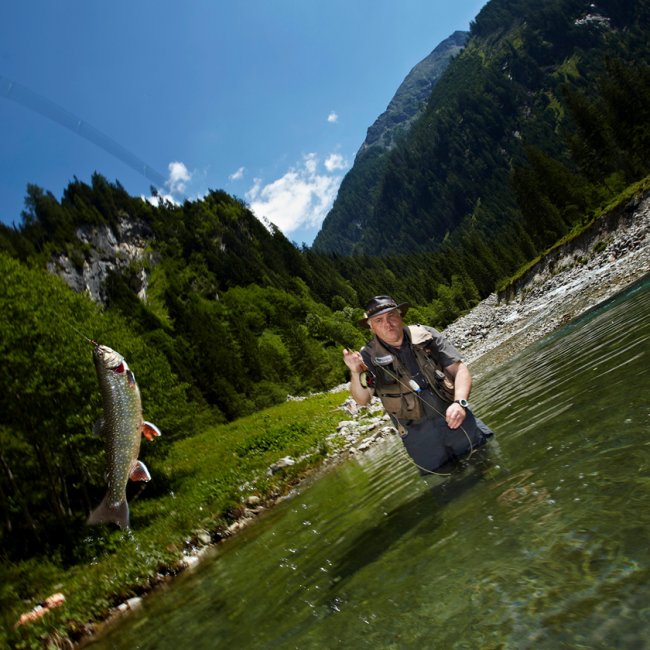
x=463 y=402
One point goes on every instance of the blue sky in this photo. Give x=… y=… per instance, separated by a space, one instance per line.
x=268 y=100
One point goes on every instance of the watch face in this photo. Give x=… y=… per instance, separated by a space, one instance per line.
x=462 y=402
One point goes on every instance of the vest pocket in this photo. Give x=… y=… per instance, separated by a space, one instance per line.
x=405 y=406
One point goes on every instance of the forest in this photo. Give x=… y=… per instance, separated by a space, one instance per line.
x=237 y=317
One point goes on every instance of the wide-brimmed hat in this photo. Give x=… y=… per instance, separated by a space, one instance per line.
x=381 y=305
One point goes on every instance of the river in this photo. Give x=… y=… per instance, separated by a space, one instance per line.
x=544 y=547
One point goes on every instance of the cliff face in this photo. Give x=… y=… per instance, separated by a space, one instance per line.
x=107 y=250
x=412 y=95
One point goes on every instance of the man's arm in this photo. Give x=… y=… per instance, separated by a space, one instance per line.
x=459 y=372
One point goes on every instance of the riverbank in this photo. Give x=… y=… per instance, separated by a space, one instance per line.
x=208 y=487
x=566 y=283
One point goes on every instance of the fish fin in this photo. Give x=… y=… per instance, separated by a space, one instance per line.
x=105 y=513
x=98 y=428
x=139 y=472
x=149 y=430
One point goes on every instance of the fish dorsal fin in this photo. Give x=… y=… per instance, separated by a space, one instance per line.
x=139 y=472
x=149 y=430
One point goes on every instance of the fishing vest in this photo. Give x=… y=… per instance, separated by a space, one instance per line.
x=392 y=377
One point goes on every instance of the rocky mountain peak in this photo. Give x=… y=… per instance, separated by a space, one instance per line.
x=411 y=96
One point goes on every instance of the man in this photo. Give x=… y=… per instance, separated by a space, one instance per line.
x=422 y=383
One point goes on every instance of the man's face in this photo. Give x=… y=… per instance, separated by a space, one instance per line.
x=388 y=327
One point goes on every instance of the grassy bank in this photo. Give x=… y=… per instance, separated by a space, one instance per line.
x=202 y=487
x=637 y=189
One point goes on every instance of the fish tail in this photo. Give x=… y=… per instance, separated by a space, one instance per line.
x=106 y=512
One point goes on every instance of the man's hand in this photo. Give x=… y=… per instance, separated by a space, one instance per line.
x=455 y=415
x=353 y=361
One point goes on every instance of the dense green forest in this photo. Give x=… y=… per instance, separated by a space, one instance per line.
x=537 y=124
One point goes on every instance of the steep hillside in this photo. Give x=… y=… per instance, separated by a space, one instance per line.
x=529 y=128
x=575 y=275
x=353 y=204
x=411 y=97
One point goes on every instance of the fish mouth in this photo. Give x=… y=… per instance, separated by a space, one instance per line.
x=110 y=359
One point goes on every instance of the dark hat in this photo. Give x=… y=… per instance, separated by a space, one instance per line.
x=381 y=305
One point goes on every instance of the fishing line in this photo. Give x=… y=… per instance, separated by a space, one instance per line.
x=426 y=403
x=22 y=95
x=74 y=329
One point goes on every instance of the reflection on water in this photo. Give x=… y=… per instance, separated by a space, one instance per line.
x=544 y=548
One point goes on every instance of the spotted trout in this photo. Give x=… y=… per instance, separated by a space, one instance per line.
x=122 y=427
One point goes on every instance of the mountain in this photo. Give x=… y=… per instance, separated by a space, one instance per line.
x=410 y=99
x=541 y=116
x=393 y=124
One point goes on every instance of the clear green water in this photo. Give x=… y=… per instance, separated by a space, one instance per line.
x=548 y=549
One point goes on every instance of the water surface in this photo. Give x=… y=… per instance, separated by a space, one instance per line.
x=546 y=548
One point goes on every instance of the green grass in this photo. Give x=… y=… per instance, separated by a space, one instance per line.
x=206 y=480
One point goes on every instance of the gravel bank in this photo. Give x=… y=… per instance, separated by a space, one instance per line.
x=571 y=280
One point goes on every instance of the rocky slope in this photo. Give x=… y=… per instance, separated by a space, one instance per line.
x=570 y=280
x=411 y=97
x=107 y=250
x=345 y=221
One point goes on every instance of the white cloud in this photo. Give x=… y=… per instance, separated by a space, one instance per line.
x=311 y=163
x=159 y=199
x=335 y=161
x=238 y=175
x=176 y=183
x=179 y=176
x=300 y=198
x=333 y=117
